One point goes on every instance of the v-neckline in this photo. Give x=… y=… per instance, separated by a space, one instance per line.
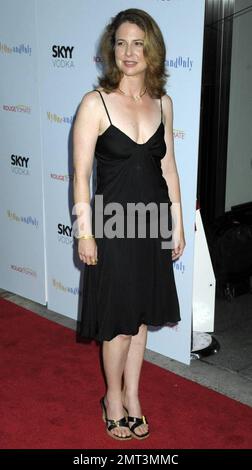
x=128 y=137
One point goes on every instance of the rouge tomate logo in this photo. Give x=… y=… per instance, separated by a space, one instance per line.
x=24 y=270
x=18 y=108
x=59 y=177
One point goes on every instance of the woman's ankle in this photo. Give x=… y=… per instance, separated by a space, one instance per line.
x=112 y=396
x=130 y=392
x=129 y=396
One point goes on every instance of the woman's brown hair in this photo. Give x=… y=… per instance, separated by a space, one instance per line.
x=154 y=52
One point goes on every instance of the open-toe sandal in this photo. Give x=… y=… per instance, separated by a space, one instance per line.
x=137 y=422
x=112 y=423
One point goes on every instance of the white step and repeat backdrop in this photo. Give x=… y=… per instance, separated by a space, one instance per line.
x=22 y=248
x=49 y=60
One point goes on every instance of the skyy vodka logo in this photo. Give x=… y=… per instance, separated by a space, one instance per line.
x=62 y=56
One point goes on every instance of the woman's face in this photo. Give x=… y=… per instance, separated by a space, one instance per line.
x=129 y=42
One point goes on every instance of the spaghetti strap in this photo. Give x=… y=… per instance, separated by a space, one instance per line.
x=104 y=105
x=161 y=109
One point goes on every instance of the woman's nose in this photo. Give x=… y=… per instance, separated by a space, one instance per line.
x=128 y=50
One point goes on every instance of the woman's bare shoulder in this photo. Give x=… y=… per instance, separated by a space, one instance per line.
x=167 y=101
x=167 y=108
x=90 y=103
x=90 y=98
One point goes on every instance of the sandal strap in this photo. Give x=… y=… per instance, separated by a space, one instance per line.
x=137 y=422
x=112 y=423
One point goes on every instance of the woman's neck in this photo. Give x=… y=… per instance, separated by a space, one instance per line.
x=132 y=86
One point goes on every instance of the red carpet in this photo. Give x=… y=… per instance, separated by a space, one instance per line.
x=51 y=386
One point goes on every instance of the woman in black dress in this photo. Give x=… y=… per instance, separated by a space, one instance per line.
x=127 y=125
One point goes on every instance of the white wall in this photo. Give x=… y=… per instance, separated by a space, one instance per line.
x=239 y=156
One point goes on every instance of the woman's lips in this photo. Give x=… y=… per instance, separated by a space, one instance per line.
x=129 y=63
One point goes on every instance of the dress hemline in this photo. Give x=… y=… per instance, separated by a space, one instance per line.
x=96 y=337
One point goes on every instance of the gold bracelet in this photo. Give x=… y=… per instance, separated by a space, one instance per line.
x=85 y=237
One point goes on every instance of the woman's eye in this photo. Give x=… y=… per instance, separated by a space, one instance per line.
x=137 y=43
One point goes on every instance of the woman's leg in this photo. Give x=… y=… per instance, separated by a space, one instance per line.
x=132 y=375
x=114 y=358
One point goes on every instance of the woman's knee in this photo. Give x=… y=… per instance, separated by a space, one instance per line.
x=124 y=338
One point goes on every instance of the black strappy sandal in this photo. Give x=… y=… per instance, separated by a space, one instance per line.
x=112 y=423
x=137 y=422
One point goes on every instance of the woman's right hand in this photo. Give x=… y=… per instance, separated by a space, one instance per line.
x=87 y=250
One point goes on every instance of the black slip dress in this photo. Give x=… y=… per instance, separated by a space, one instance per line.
x=133 y=282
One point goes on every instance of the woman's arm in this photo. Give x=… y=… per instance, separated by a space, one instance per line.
x=85 y=133
x=170 y=173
